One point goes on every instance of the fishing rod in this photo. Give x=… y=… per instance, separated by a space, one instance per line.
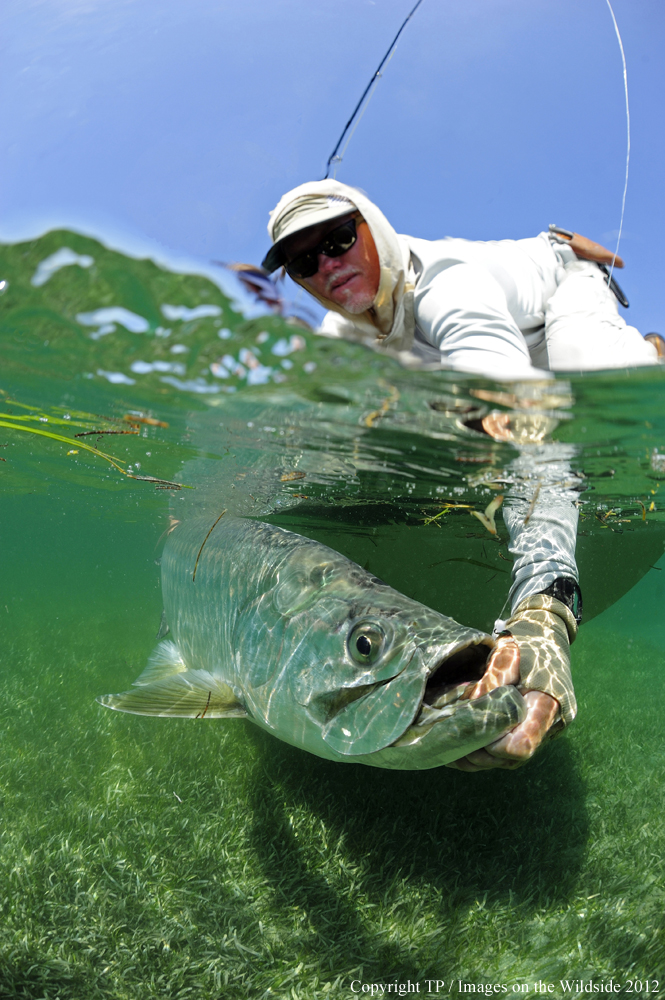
x=334 y=158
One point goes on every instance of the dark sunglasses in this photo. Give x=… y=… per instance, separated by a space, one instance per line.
x=337 y=242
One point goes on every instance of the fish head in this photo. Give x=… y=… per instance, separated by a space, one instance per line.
x=363 y=672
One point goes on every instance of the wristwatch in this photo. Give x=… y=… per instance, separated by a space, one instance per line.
x=567 y=590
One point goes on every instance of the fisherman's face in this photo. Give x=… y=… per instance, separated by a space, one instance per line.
x=350 y=281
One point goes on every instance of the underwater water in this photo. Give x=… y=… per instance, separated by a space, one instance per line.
x=171 y=858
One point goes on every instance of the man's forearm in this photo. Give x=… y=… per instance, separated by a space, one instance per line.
x=541 y=517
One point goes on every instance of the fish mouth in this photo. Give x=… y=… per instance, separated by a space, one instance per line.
x=455 y=672
x=457 y=725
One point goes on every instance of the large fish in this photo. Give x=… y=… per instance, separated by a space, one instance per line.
x=275 y=627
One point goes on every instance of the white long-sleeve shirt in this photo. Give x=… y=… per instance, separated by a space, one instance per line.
x=510 y=309
x=481 y=306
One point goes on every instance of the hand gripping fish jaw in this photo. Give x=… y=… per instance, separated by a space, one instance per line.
x=446 y=723
x=312 y=648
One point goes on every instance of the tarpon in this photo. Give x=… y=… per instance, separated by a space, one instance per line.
x=275 y=627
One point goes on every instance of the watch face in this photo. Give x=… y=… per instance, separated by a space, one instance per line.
x=567 y=591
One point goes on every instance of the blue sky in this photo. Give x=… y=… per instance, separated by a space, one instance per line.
x=181 y=124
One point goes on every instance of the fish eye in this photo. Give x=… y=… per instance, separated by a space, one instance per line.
x=364 y=645
x=365 y=642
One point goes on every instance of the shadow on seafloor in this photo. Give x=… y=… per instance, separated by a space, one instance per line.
x=515 y=837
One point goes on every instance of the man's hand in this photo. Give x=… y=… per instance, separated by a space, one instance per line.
x=517 y=746
x=534 y=655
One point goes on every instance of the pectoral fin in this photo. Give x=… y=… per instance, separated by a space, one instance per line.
x=194 y=694
x=163 y=629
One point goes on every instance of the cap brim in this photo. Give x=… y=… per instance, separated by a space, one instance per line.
x=307 y=220
x=274 y=258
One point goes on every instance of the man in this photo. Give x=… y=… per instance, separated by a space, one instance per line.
x=504 y=309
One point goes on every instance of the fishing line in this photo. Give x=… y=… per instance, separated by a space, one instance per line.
x=367 y=94
x=625 y=88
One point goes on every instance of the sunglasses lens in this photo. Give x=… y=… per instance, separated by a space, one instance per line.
x=304 y=265
x=335 y=244
x=340 y=240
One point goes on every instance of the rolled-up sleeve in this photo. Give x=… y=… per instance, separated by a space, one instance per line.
x=462 y=310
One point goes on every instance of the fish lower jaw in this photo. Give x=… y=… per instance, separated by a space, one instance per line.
x=453 y=729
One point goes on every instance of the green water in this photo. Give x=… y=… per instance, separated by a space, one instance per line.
x=152 y=858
